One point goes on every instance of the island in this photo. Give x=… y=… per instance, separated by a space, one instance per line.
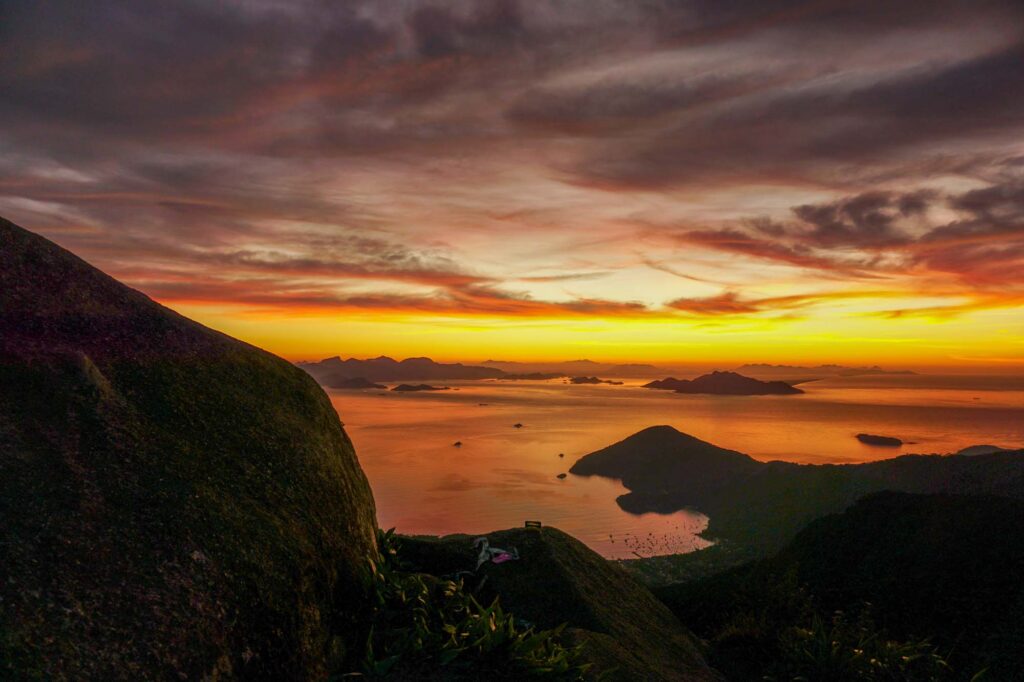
x=724 y=383
x=880 y=441
x=593 y=380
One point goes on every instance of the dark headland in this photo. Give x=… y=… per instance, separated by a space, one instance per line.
x=761 y=505
x=724 y=383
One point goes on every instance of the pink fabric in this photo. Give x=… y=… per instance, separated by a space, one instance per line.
x=502 y=558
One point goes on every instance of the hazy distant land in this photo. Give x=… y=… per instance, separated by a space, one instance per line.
x=335 y=372
x=576 y=368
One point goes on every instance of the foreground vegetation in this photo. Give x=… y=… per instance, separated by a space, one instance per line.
x=426 y=628
x=899 y=587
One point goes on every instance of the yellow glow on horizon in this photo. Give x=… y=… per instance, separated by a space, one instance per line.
x=846 y=336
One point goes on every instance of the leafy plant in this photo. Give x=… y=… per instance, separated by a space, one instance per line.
x=429 y=628
x=841 y=650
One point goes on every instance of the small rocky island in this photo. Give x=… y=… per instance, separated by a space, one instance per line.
x=593 y=380
x=724 y=383
x=882 y=441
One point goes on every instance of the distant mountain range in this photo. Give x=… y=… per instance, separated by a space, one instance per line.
x=353 y=373
x=752 y=379
x=337 y=373
x=761 y=505
x=819 y=371
x=576 y=368
x=724 y=383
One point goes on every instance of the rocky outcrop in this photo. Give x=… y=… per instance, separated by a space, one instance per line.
x=174 y=502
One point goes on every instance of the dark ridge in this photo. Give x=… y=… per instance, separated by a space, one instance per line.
x=942 y=567
x=974 y=450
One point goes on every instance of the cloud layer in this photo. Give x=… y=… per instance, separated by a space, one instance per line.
x=590 y=159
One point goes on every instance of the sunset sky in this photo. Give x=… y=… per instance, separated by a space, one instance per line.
x=656 y=181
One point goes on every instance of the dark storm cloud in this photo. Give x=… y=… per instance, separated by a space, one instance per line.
x=614 y=105
x=986 y=245
x=865 y=220
x=824 y=126
x=882 y=234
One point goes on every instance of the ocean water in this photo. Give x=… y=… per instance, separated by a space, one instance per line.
x=502 y=476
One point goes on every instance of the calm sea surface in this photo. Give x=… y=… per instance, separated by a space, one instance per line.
x=502 y=476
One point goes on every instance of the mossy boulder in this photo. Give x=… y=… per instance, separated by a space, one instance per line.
x=174 y=503
x=626 y=633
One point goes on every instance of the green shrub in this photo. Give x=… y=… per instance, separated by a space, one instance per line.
x=843 y=651
x=429 y=628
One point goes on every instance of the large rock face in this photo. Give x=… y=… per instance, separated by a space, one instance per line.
x=173 y=502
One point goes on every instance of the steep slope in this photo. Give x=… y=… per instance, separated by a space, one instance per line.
x=941 y=567
x=660 y=454
x=173 y=502
x=625 y=631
